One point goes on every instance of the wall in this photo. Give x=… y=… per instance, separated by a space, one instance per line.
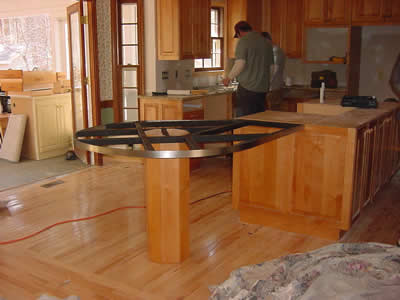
x=380 y=48
x=300 y=73
x=103 y=18
x=321 y=44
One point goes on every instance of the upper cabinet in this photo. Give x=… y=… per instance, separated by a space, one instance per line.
x=370 y=12
x=183 y=29
x=287 y=26
x=242 y=10
x=326 y=12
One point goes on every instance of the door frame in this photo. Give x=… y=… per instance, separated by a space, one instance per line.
x=93 y=80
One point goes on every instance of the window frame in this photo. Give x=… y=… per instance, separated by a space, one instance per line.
x=220 y=11
x=118 y=66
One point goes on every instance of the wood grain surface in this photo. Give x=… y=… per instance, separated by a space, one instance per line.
x=107 y=257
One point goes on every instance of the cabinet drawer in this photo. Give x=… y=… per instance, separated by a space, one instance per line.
x=194 y=115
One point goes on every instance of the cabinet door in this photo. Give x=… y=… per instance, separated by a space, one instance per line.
x=168 y=29
x=64 y=116
x=391 y=11
x=201 y=29
x=326 y=12
x=287 y=26
x=254 y=14
x=314 y=12
x=171 y=111
x=246 y=10
x=277 y=22
x=187 y=14
x=337 y=12
x=236 y=11
x=293 y=29
x=47 y=125
x=367 y=11
x=151 y=110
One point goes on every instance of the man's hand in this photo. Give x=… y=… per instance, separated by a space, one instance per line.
x=226 y=81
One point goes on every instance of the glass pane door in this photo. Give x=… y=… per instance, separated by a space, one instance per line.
x=129 y=61
x=77 y=75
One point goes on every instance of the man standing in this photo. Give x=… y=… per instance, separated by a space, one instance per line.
x=253 y=59
x=274 y=97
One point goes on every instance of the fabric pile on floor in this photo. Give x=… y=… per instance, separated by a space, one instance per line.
x=339 y=271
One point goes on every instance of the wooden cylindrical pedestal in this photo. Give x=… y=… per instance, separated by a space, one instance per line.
x=167 y=197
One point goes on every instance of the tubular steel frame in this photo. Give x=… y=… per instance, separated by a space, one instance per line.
x=100 y=139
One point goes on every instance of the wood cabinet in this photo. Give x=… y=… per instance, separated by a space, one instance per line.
x=183 y=29
x=327 y=12
x=316 y=181
x=209 y=107
x=287 y=26
x=49 y=128
x=370 y=12
x=154 y=109
x=301 y=182
x=242 y=10
x=376 y=161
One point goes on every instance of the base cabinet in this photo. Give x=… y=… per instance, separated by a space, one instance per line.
x=318 y=180
x=49 y=128
x=376 y=158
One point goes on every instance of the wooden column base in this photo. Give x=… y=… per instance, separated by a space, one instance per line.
x=167 y=196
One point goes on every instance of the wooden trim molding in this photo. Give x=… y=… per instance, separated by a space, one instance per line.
x=115 y=63
x=94 y=72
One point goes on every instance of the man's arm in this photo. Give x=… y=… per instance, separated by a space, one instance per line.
x=236 y=70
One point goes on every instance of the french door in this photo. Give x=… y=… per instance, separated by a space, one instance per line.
x=79 y=72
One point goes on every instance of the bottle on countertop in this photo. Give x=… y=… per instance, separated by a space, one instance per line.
x=322 y=93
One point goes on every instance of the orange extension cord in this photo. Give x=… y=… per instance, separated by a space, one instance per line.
x=90 y=218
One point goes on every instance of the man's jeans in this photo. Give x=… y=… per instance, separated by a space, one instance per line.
x=248 y=102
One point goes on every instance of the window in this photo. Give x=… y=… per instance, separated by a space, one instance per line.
x=130 y=61
x=25 y=43
x=216 y=62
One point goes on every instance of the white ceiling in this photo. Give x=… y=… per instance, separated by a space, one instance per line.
x=11 y=8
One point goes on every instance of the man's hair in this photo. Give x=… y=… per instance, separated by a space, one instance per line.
x=266 y=35
x=242 y=26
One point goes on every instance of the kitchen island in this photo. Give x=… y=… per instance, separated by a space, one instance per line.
x=215 y=105
x=317 y=181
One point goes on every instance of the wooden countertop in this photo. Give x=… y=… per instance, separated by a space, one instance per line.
x=185 y=97
x=354 y=118
x=307 y=87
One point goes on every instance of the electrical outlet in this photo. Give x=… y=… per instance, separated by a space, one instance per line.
x=164 y=75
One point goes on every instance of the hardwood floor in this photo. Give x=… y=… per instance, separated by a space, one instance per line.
x=106 y=258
